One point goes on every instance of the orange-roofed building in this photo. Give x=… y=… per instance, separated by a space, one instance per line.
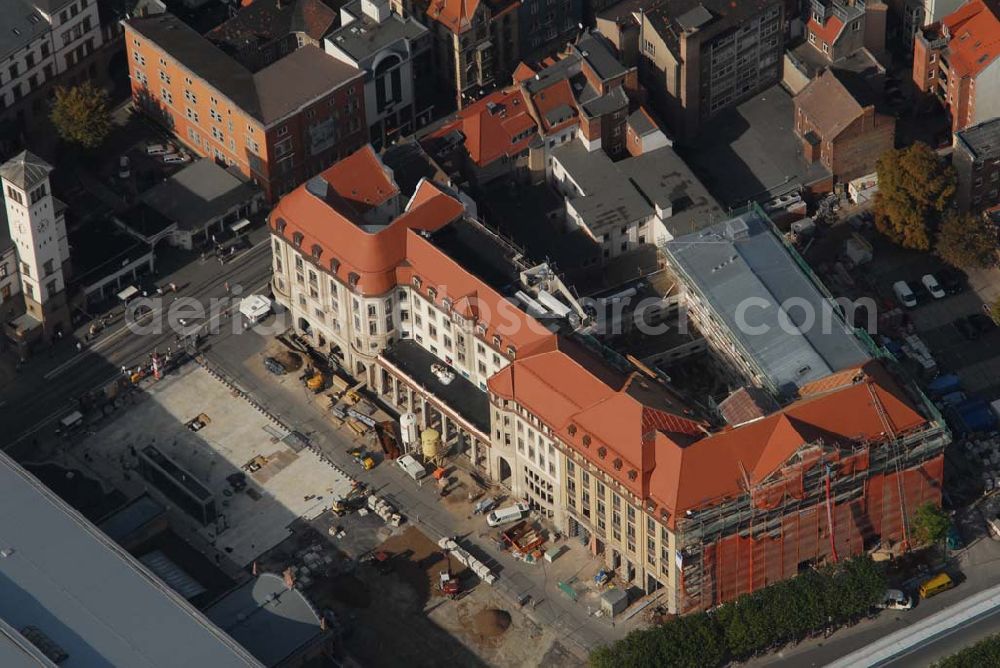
x=956 y=60
x=479 y=43
x=838 y=29
x=710 y=516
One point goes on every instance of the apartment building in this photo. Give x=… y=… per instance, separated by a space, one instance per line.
x=697 y=60
x=976 y=158
x=394 y=54
x=277 y=125
x=918 y=14
x=479 y=43
x=839 y=125
x=837 y=29
x=586 y=93
x=956 y=61
x=40 y=41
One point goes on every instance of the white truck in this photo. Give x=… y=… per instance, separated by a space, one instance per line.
x=411 y=466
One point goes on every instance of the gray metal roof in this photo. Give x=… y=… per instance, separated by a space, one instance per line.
x=90 y=598
x=363 y=38
x=268 y=618
x=20 y=24
x=200 y=192
x=16 y=651
x=747 y=276
x=598 y=53
x=981 y=141
x=25 y=170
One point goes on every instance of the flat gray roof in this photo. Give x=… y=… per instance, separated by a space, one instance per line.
x=200 y=192
x=616 y=193
x=363 y=38
x=90 y=598
x=21 y=24
x=982 y=140
x=747 y=276
x=268 y=618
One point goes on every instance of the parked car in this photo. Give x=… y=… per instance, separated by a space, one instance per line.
x=982 y=322
x=124 y=167
x=935 y=585
x=965 y=328
x=176 y=158
x=895 y=600
x=904 y=294
x=274 y=366
x=157 y=149
x=933 y=287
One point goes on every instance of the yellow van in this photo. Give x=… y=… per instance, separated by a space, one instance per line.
x=936 y=585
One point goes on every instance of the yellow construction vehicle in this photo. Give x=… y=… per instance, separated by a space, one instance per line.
x=316 y=382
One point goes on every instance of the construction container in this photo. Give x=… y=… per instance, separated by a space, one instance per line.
x=430 y=444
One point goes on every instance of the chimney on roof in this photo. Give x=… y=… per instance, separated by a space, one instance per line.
x=376 y=10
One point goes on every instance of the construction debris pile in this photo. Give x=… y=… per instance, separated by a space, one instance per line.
x=466 y=559
x=385 y=510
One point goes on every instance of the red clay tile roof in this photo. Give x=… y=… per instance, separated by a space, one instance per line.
x=828 y=32
x=490 y=135
x=362 y=180
x=615 y=421
x=975 y=38
x=716 y=467
x=560 y=93
x=347 y=248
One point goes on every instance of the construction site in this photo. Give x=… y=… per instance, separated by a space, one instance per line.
x=828 y=502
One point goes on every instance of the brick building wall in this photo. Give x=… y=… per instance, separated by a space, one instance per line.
x=858 y=147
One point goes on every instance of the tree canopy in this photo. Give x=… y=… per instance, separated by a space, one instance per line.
x=80 y=114
x=915 y=188
x=968 y=241
x=753 y=623
x=984 y=653
x=930 y=524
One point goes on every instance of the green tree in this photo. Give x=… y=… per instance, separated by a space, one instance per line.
x=914 y=189
x=967 y=241
x=984 y=653
x=929 y=524
x=80 y=114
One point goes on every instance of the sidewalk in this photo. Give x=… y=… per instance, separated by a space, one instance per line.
x=532 y=588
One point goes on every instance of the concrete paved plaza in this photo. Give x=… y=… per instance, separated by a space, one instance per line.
x=289 y=484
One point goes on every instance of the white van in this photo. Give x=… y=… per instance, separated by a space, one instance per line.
x=508 y=514
x=411 y=466
x=904 y=295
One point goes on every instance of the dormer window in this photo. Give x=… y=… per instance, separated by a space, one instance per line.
x=334 y=264
x=602 y=452
x=416 y=282
x=481 y=328
x=317 y=250
x=586 y=440
x=297 y=238
x=496 y=340
x=352 y=279
x=280 y=225
x=432 y=294
x=446 y=304
x=617 y=464
x=571 y=429
x=632 y=475
x=511 y=352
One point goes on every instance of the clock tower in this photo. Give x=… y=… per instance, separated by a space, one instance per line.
x=38 y=230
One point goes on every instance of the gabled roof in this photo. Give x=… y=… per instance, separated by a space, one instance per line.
x=829 y=31
x=497 y=125
x=616 y=421
x=830 y=104
x=25 y=170
x=975 y=38
x=362 y=180
x=872 y=409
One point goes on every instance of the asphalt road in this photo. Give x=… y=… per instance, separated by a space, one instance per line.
x=950 y=643
x=48 y=384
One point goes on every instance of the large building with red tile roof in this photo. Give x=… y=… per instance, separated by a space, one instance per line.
x=956 y=61
x=445 y=321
